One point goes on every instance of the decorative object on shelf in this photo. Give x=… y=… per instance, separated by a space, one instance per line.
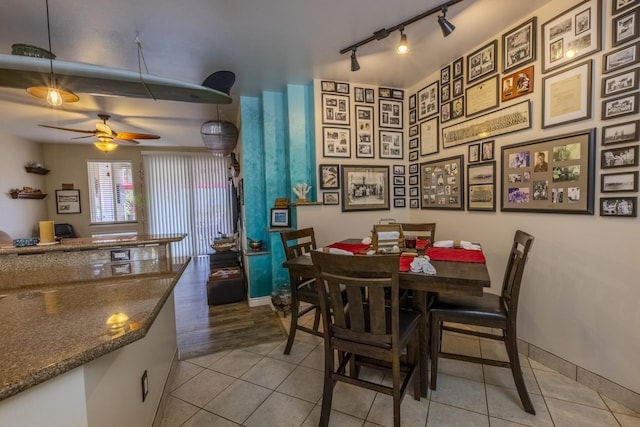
x=255 y=245
x=280 y=217
x=38 y=168
x=301 y=190
x=26 y=193
x=281 y=298
x=281 y=202
x=223 y=243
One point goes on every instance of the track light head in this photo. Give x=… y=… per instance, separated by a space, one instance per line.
x=446 y=26
x=354 y=61
x=403 y=46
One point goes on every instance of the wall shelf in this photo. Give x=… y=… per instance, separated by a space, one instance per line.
x=39 y=171
x=15 y=195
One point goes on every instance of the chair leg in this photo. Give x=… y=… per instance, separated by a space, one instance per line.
x=511 y=343
x=397 y=395
x=316 y=319
x=435 y=325
x=327 y=392
x=295 y=308
x=414 y=351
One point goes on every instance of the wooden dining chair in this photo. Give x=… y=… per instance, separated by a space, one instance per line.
x=491 y=311
x=421 y=231
x=303 y=289
x=361 y=329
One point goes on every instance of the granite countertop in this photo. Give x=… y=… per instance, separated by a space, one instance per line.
x=88 y=243
x=52 y=328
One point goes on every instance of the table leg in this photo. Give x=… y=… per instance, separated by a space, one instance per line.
x=421 y=300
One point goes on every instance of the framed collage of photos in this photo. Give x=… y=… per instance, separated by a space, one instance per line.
x=482 y=62
x=391 y=146
x=576 y=30
x=552 y=175
x=364 y=131
x=442 y=184
x=481 y=187
x=517 y=84
x=519 y=45
x=390 y=114
x=335 y=109
x=428 y=101
x=365 y=188
x=559 y=103
x=336 y=142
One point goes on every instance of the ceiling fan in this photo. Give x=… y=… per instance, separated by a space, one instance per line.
x=108 y=138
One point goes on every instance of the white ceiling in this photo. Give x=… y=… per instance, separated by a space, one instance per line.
x=266 y=43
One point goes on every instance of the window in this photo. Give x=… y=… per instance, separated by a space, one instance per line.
x=111 y=194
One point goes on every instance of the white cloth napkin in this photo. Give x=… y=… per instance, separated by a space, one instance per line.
x=422 y=265
x=336 y=251
x=388 y=235
x=464 y=244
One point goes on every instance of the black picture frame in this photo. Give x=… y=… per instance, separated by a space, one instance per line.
x=429 y=136
x=327 y=86
x=621 y=58
x=556 y=95
x=356 y=180
x=481 y=187
x=358 y=94
x=412 y=102
x=625 y=27
x=280 y=217
x=336 y=142
x=399 y=202
x=342 y=87
x=390 y=114
x=619 y=157
x=445 y=74
x=369 y=96
x=625 y=81
x=414 y=203
x=68 y=202
x=487 y=151
x=391 y=144
x=331 y=198
x=365 y=131
x=428 y=101
x=399 y=180
x=442 y=183
x=618 y=6
x=620 y=106
x=335 y=109
x=398 y=170
x=329 y=176
x=620 y=182
x=458 y=68
x=621 y=133
x=625 y=207
x=474 y=153
x=519 y=45
x=482 y=62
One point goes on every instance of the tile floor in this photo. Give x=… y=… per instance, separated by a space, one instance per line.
x=259 y=386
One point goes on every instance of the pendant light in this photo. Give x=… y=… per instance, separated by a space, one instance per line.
x=54 y=94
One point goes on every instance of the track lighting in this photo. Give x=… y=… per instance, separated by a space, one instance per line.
x=446 y=26
x=403 y=47
x=354 y=61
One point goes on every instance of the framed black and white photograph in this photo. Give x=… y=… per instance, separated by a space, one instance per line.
x=445 y=75
x=625 y=81
x=365 y=188
x=414 y=143
x=412 y=102
x=399 y=180
x=428 y=101
x=429 y=134
x=358 y=94
x=331 y=198
x=414 y=192
x=619 y=182
x=412 y=117
x=397 y=94
x=413 y=156
x=481 y=187
x=413 y=131
x=391 y=146
x=398 y=170
x=560 y=105
x=414 y=203
x=457 y=87
x=622 y=157
x=399 y=202
x=625 y=27
x=442 y=183
x=68 y=201
x=487 y=151
x=445 y=92
x=474 y=153
x=621 y=58
x=618 y=6
x=481 y=97
x=384 y=92
x=280 y=217
x=458 y=68
x=482 y=62
x=550 y=175
x=620 y=106
x=342 y=88
x=335 y=109
x=329 y=177
x=328 y=86
x=369 y=96
x=413 y=179
x=517 y=84
x=413 y=168
x=364 y=132
x=619 y=206
x=399 y=191
x=519 y=45
x=572 y=35
x=336 y=142
x=390 y=114
x=445 y=112
x=620 y=133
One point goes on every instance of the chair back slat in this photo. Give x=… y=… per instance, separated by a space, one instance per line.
x=421 y=231
x=522 y=243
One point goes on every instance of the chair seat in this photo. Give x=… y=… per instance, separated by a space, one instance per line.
x=489 y=307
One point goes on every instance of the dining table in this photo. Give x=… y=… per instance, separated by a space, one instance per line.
x=458 y=277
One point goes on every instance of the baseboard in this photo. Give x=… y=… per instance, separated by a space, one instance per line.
x=254 y=302
x=608 y=388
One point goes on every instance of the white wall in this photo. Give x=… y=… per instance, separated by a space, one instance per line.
x=580 y=292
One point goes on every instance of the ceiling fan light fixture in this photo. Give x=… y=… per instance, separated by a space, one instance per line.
x=106 y=146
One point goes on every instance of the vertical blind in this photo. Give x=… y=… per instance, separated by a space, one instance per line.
x=111 y=197
x=188 y=193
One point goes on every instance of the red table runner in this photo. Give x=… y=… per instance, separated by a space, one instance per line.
x=455 y=254
x=354 y=248
x=405 y=262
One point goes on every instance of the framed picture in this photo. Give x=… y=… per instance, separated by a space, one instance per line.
x=399 y=202
x=413 y=131
x=481 y=187
x=413 y=180
x=482 y=62
x=413 y=168
x=369 y=96
x=384 y=92
x=620 y=83
x=620 y=133
x=414 y=203
x=552 y=175
x=619 y=182
x=391 y=146
x=620 y=58
x=336 y=142
x=519 y=45
x=413 y=156
x=342 y=88
x=398 y=169
x=399 y=180
x=428 y=101
x=566 y=95
x=413 y=117
x=622 y=5
x=365 y=188
x=328 y=86
x=481 y=97
x=445 y=75
x=398 y=191
x=487 y=151
x=414 y=143
x=335 y=109
x=68 y=201
x=429 y=136
x=331 y=198
x=458 y=68
x=445 y=92
x=620 y=106
x=442 y=183
x=364 y=131
x=414 y=192
x=397 y=94
x=390 y=114
x=505 y=120
x=445 y=112
x=517 y=84
x=619 y=206
x=572 y=35
x=457 y=108
x=280 y=217
x=358 y=94
x=329 y=177
x=625 y=27
x=474 y=153
x=412 y=102
x=458 y=87
x=622 y=157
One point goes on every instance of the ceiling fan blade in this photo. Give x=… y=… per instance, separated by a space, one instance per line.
x=125 y=141
x=82 y=137
x=134 y=135
x=69 y=129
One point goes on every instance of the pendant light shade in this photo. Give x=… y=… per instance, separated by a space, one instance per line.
x=219 y=136
x=105 y=146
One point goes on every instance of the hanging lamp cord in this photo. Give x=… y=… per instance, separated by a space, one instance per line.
x=146 y=70
x=49 y=37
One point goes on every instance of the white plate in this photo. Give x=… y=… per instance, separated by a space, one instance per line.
x=48 y=244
